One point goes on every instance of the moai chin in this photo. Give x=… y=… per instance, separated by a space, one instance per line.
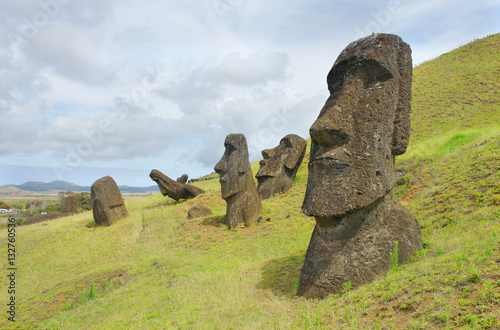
x=363 y=125
x=279 y=166
x=237 y=185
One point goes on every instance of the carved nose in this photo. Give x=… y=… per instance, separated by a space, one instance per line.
x=326 y=134
x=221 y=167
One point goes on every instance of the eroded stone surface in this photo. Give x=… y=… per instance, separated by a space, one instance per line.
x=199 y=211
x=183 y=179
x=237 y=185
x=107 y=202
x=174 y=189
x=279 y=166
x=364 y=123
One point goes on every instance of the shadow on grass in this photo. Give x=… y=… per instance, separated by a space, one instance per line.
x=281 y=276
x=216 y=221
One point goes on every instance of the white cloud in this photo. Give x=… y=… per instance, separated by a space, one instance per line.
x=255 y=69
x=174 y=78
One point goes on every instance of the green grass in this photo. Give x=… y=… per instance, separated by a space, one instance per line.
x=157 y=269
x=458 y=90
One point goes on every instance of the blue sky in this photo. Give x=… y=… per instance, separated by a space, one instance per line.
x=93 y=88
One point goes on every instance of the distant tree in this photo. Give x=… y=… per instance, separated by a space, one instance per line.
x=4 y=206
x=36 y=207
x=68 y=202
x=84 y=201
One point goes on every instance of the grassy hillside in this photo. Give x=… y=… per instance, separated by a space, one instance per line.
x=458 y=90
x=156 y=269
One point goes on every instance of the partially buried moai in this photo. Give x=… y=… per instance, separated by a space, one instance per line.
x=279 y=166
x=237 y=185
x=107 y=202
x=363 y=125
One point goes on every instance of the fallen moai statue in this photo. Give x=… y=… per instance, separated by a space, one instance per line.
x=172 y=188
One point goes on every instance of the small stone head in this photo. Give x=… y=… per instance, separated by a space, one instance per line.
x=233 y=165
x=280 y=165
x=364 y=123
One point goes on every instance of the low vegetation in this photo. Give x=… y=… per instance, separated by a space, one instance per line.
x=156 y=269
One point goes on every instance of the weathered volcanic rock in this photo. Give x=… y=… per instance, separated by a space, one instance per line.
x=183 y=179
x=199 y=211
x=279 y=166
x=237 y=185
x=174 y=189
x=107 y=202
x=363 y=125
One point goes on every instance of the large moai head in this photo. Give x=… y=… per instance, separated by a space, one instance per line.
x=107 y=202
x=234 y=165
x=364 y=123
x=279 y=166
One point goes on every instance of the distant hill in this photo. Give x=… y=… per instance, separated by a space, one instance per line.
x=36 y=186
x=54 y=185
x=11 y=190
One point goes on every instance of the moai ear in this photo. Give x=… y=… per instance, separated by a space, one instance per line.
x=243 y=157
x=240 y=144
x=298 y=146
x=401 y=129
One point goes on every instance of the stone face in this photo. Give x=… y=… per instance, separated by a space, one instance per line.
x=279 y=166
x=107 y=202
x=364 y=123
x=198 y=211
x=183 y=179
x=174 y=189
x=237 y=185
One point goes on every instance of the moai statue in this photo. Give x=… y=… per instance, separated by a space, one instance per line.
x=174 y=189
x=237 y=185
x=279 y=166
x=363 y=125
x=107 y=202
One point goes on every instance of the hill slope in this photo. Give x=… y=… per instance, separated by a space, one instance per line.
x=156 y=269
x=54 y=186
x=458 y=90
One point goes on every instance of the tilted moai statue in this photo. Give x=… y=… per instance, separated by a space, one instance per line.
x=174 y=189
x=363 y=125
x=237 y=185
x=279 y=166
x=107 y=202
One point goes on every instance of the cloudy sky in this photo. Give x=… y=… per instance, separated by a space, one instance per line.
x=103 y=87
